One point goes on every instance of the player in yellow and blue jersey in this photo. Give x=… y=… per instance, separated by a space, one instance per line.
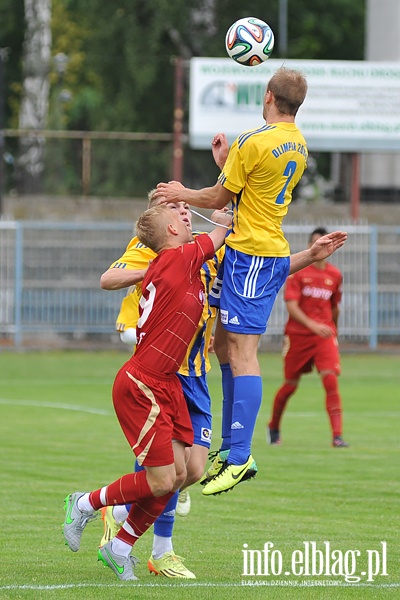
x=128 y=270
x=261 y=170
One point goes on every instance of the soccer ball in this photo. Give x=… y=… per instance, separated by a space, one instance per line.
x=249 y=41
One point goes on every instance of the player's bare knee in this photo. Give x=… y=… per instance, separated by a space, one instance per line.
x=162 y=485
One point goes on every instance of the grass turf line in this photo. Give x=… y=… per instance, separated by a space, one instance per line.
x=304 y=491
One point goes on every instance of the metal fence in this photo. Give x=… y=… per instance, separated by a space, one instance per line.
x=49 y=281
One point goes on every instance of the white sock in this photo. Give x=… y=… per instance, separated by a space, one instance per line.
x=120 y=547
x=84 y=504
x=161 y=545
x=120 y=513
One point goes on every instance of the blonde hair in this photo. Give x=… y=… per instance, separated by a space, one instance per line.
x=289 y=88
x=151 y=201
x=151 y=227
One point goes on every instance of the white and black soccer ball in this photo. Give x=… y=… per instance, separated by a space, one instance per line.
x=249 y=41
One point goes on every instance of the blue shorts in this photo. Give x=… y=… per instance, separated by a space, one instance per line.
x=197 y=396
x=245 y=290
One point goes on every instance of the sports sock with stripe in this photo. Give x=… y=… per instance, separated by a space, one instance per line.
x=227 y=404
x=247 y=402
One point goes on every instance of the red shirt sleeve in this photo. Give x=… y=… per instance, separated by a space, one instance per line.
x=199 y=251
x=337 y=294
x=292 y=288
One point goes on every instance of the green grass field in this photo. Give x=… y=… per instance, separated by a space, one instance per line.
x=58 y=434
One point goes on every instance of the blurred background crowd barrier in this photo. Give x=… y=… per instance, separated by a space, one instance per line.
x=50 y=293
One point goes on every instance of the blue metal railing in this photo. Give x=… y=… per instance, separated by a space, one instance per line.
x=49 y=279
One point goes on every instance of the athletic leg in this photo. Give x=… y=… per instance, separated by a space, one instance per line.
x=333 y=405
x=280 y=401
x=221 y=351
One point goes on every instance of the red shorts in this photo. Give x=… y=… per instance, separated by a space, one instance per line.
x=301 y=352
x=152 y=412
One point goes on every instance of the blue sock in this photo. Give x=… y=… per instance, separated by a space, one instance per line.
x=227 y=403
x=164 y=525
x=247 y=402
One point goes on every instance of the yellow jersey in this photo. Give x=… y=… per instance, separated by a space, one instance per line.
x=128 y=315
x=137 y=256
x=262 y=168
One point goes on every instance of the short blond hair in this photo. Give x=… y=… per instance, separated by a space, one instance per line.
x=289 y=88
x=151 y=201
x=151 y=227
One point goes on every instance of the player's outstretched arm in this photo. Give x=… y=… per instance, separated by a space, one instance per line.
x=211 y=197
x=117 y=279
x=224 y=219
x=322 y=248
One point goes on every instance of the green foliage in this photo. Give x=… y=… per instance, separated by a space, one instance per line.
x=326 y=29
x=11 y=39
x=120 y=71
x=142 y=164
x=131 y=56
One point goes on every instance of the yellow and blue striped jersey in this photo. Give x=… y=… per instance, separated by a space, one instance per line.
x=137 y=256
x=262 y=168
x=128 y=315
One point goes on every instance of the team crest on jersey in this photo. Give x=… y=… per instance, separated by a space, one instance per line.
x=224 y=316
x=205 y=434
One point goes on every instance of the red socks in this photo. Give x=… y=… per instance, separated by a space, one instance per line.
x=126 y=490
x=134 y=489
x=281 y=398
x=142 y=516
x=333 y=403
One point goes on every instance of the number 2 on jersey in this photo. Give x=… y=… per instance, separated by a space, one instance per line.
x=288 y=172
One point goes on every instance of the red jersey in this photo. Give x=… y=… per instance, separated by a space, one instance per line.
x=317 y=292
x=171 y=305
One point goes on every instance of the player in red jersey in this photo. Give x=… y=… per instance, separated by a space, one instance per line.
x=147 y=394
x=312 y=298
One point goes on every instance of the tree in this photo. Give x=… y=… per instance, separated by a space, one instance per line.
x=120 y=75
x=35 y=94
x=326 y=29
x=11 y=40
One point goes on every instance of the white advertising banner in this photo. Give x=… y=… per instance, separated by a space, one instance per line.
x=351 y=106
